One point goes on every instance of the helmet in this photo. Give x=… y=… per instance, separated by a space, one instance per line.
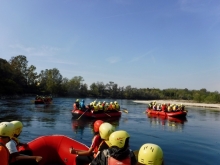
x=77 y=100
x=97 y=125
x=17 y=127
x=110 y=102
x=118 y=138
x=105 y=130
x=115 y=102
x=150 y=153
x=82 y=100
x=6 y=129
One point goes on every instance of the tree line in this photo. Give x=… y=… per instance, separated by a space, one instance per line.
x=18 y=78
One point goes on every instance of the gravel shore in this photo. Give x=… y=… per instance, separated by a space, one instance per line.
x=184 y=102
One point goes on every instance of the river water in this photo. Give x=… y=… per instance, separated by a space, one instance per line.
x=194 y=140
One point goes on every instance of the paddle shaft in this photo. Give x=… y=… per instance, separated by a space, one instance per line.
x=82 y=114
x=107 y=114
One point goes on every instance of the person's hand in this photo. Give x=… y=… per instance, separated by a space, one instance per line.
x=73 y=151
x=38 y=158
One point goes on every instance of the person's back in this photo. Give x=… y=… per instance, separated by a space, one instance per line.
x=118 y=153
x=15 y=156
x=85 y=157
x=82 y=105
x=6 y=133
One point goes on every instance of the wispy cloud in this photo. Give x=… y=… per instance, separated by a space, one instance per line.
x=32 y=51
x=113 y=59
x=138 y=58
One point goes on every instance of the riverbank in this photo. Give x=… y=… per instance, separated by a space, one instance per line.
x=184 y=102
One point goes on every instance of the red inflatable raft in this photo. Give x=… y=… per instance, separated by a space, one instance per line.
x=54 y=149
x=91 y=114
x=178 y=113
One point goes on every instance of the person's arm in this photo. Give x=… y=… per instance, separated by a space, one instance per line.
x=81 y=152
x=26 y=157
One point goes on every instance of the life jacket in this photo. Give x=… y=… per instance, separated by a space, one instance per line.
x=105 y=107
x=96 y=149
x=100 y=107
x=95 y=108
x=117 y=107
x=110 y=107
x=113 y=106
x=113 y=161
x=6 y=150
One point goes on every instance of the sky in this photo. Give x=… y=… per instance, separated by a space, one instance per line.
x=144 y=44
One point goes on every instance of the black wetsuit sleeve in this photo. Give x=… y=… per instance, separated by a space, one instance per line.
x=100 y=159
x=133 y=158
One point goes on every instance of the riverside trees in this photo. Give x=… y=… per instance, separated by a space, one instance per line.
x=17 y=77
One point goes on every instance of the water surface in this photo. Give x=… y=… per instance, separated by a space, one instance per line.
x=190 y=141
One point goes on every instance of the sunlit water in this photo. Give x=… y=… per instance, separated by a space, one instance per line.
x=194 y=140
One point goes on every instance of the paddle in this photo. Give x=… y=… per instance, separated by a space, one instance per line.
x=124 y=110
x=107 y=114
x=82 y=114
x=136 y=153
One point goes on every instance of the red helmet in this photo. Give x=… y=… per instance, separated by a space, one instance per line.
x=97 y=125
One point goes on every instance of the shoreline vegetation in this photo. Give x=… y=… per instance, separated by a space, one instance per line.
x=187 y=103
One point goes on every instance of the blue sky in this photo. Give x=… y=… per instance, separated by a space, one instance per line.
x=144 y=43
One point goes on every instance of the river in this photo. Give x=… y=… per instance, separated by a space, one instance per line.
x=191 y=141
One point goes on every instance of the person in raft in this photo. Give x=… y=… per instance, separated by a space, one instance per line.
x=105 y=131
x=18 y=126
x=76 y=104
x=118 y=153
x=6 y=133
x=150 y=154
x=17 y=158
x=85 y=157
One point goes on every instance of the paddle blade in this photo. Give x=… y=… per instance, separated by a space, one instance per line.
x=126 y=111
x=136 y=153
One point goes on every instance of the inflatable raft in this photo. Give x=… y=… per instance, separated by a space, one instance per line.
x=54 y=149
x=40 y=101
x=178 y=113
x=98 y=115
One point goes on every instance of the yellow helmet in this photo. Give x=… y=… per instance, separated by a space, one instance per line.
x=105 y=130
x=118 y=138
x=115 y=102
x=17 y=127
x=77 y=100
x=150 y=154
x=6 y=129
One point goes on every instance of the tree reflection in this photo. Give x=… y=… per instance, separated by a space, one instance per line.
x=78 y=126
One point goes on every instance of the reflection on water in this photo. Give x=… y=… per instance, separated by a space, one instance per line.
x=171 y=123
x=79 y=125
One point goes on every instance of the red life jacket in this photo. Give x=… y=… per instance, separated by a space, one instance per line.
x=6 y=150
x=113 y=161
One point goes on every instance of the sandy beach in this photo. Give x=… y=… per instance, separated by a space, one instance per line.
x=184 y=102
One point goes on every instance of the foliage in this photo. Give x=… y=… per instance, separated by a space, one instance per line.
x=19 y=78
